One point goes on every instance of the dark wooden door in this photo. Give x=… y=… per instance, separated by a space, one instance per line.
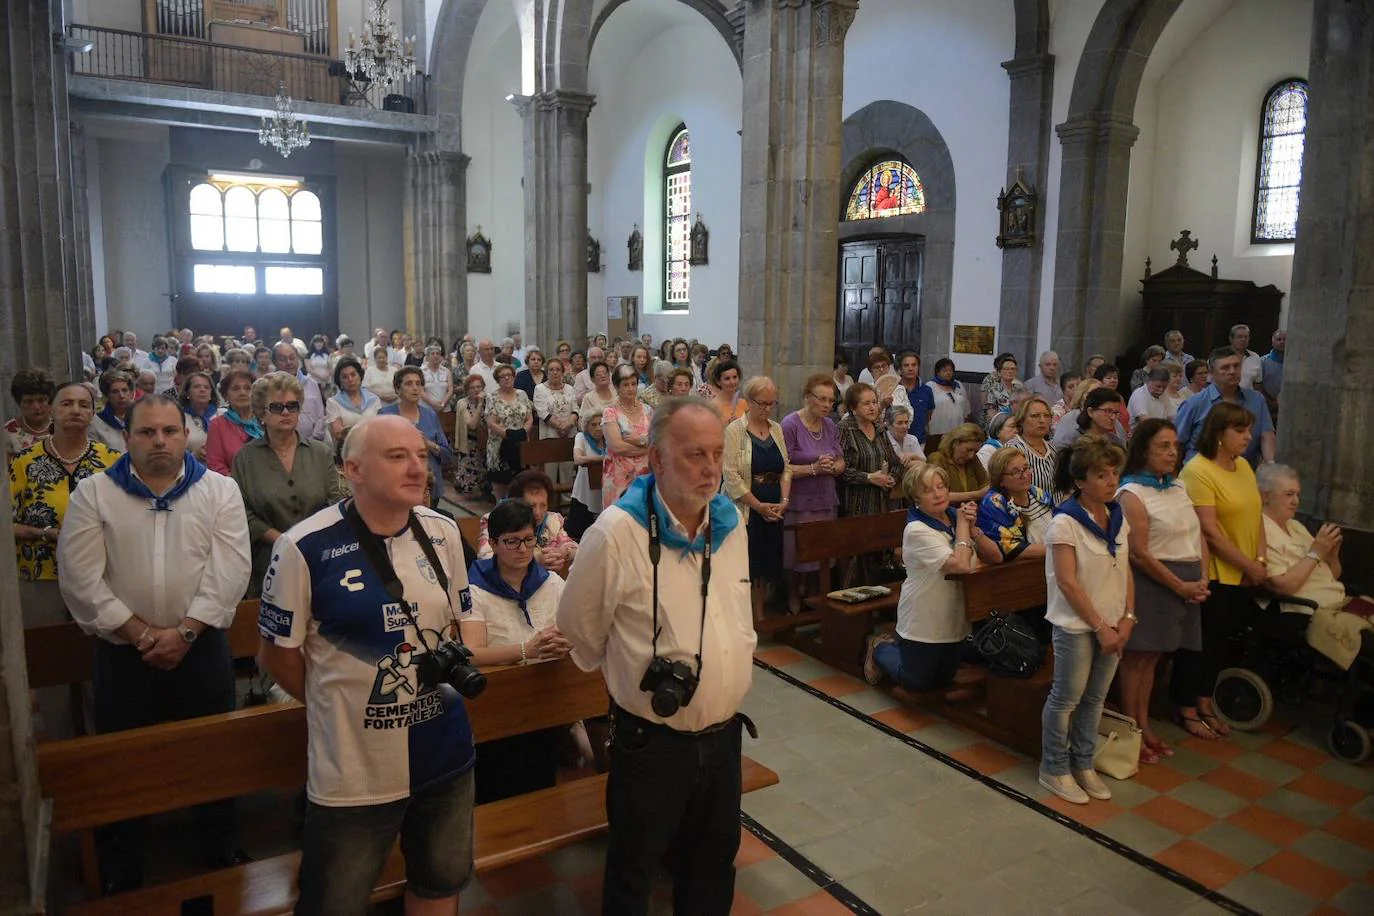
x=880 y=298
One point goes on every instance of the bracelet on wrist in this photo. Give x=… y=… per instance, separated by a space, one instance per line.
x=523 y=657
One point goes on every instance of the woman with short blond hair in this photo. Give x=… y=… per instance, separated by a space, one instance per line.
x=758 y=478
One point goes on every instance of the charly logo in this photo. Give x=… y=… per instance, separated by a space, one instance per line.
x=426 y=570
x=351 y=581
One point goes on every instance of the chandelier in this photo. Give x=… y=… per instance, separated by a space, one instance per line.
x=284 y=131
x=385 y=56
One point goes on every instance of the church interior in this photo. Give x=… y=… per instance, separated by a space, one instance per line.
x=796 y=179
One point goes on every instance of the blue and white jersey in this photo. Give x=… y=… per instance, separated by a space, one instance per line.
x=376 y=734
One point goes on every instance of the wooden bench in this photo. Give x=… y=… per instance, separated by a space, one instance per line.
x=470 y=527
x=179 y=764
x=1018 y=585
x=539 y=452
x=843 y=627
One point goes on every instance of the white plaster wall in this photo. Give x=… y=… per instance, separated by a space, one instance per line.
x=134 y=230
x=493 y=137
x=370 y=199
x=1200 y=120
x=945 y=59
x=639 y=101
x=95 y=209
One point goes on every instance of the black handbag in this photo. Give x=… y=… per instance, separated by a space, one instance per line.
x=1009 y=645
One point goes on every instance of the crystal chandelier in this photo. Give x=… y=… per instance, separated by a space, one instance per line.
x=284 y=131
x=385 y=56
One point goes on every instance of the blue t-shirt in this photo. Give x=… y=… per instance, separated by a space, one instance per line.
x=1193 y=414
x=376 y=734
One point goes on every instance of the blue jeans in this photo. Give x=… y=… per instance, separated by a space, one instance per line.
x=1082 y=676
x=920 y=666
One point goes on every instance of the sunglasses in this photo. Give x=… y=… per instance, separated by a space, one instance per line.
x=284 y=407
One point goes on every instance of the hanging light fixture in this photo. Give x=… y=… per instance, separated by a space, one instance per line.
x=384 y=56
x=285 y=130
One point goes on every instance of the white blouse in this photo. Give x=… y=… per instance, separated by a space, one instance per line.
x=506 y=626
x=1101 y=575
x=930 y=607
x=1175 y=533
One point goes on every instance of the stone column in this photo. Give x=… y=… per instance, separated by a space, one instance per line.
x=41 y=312
x=555 y=214
x=435 y=239
x=1028 y=147
x=1092 y=230
x=1326 y=417
x=790 y=202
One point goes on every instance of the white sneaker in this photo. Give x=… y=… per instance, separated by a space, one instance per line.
x=1065 y=788
x=1092 y=784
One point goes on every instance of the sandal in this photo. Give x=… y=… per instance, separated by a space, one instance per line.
x=1215 y=724
x=1148 y=754
x=1195 y=727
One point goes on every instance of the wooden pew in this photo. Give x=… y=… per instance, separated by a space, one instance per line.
x=470 y=527
x=539 y=452
x=179 y=764
x=843 y=627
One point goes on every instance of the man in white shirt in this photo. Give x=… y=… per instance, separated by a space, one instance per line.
x=139 y=357
x=583 y=382
x=379 y=339
x=154 y=559
x=390 y=744
x=285 y=335
x=1251 y=369
x=518 y=349
x=675 y=748
x=486 y=364
x=107 y=426
x=1046 y=383
x=311 y=423
x=1149 y=400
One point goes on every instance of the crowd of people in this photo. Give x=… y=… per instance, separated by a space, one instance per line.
x=1141 y=500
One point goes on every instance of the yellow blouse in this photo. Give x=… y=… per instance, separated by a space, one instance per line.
x=1235 y=497
x=40 y=488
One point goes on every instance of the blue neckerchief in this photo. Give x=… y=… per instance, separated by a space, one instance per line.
x=1150 y=480
x=205 y=417
x=592 y=444
x=252 y=427
x=724 y=516
x=107 y=414
x=346 y=402
x=993 y=441
x=1072 y=508
x=485 y=575
x=947 y=528
x=1275 y=355
x=122 y=473
x=953 y=383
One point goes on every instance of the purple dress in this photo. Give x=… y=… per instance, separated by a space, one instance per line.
x=812 y=498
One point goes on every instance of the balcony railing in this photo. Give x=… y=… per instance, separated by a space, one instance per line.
x=120 y=54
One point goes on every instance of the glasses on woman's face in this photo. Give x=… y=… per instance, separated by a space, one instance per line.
x=516 y=543
x=823 y=399
x=281 y=407
x=766 y=405
x=1022 y=471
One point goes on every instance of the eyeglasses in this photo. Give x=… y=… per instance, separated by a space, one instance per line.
x=820 y=398
x=765 y=404
x=1023 y=471
x=514 y=543
x=284 y=407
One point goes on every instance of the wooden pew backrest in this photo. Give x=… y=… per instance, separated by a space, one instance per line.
x=1004 y=587
x=820 y=542
x=545 y=451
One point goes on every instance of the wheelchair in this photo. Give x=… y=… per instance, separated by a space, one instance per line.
x=1269 y=659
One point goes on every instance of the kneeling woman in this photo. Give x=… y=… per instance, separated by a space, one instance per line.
x=514 y=603
x=931 y=626
x=1091 y=608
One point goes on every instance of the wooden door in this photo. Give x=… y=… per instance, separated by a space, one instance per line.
x=879 y=298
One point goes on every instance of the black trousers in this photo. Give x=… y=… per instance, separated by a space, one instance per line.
x=130 y=693
x=1195 y=673
x=674 y=795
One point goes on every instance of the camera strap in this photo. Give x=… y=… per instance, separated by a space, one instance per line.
x=656 y=550
x=377 y=556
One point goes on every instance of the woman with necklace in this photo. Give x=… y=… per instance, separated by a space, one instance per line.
x=758 y=478
x=410 y=389
x=1091 y=610
x=32 y=390
x=380 y=377
x=42 y=480
x=816 y=460
x=557 y=412
x=197 y=398
x=1033 y=420
x=626 y=423
x=510 y=419
x=723 y=392
x=234 y=428
x=352 y=403
x=602 y=394
x=438 y=379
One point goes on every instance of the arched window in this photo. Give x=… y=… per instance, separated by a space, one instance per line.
x=1278 y=167
x=677 y=220
x=888 y=188
x=272 y=222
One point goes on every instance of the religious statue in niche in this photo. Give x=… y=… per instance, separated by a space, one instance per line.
x=593 y=254
x=636 y=244
x=479 y=253
x=1016 y=206
x=701 y=240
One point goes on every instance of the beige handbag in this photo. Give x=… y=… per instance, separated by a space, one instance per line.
x=1118 y=746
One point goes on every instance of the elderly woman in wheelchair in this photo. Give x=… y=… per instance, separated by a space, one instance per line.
x=1310 y=627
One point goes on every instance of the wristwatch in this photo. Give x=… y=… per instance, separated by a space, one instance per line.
x=188 y=635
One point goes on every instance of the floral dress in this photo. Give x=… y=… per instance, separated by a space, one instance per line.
x=512 y=415
x=471 y=466
x=619 y=471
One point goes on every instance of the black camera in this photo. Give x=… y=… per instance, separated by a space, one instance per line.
x=673 y=684
x=450 y=664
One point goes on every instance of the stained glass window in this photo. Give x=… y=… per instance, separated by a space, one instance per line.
x=677 y=220
x=888 y=188
x=1278 y=172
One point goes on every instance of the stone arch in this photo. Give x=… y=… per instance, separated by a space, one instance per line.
x=713 y=11
x=894 y=127
x=449 y=54
x=1096 y=140
x=1032 y=26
